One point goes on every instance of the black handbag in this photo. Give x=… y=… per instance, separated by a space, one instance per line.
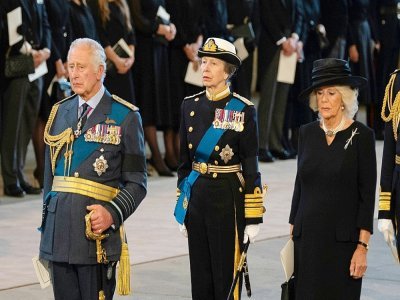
x=288 y=291
x=19 y=65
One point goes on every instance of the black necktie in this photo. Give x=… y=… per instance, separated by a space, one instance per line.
x=83 y=114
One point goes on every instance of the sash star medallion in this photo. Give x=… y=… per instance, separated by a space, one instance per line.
x=226 y=154
x=100 y=165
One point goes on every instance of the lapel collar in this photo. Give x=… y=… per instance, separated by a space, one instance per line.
x=25 y=5
x=100 y=112
x=70 y=113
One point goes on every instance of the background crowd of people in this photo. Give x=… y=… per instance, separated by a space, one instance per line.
x=365 y=32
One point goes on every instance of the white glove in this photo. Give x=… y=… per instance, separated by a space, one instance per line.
x=250 y=232
x=386 y=227
x=183 y=230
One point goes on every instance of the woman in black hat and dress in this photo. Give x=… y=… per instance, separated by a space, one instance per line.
x=333 y=201
x=220 y=200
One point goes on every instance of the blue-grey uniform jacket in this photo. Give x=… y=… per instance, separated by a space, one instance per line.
x=63 y=226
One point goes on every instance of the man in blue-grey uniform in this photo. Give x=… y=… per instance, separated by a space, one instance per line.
x=95 y=163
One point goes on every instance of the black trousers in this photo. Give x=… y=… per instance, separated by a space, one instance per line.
x=215 y=232
x=80 y=282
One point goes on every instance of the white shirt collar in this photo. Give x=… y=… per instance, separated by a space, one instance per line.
x=94 y=101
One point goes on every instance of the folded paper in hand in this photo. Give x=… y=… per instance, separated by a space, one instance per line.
x=42 y=271
x=193 y=76
x=287 y=259
x=287 y=68
x=241 y=49
x=122 y=49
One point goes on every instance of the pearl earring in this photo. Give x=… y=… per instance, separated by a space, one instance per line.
x=342 y=107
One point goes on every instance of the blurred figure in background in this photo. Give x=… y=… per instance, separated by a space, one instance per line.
x=81 y=21
x=151 y=77
x=182 y=50
x=113 y=22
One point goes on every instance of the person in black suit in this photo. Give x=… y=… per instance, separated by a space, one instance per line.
x=242 y=13
x=59 y=23
x=215 y=18
x=22 y=97
x=332 y=211
x=281 y=25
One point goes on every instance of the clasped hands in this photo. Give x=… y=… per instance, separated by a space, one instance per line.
x=250 y=232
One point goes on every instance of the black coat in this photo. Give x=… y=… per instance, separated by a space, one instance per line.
x=277 y=20
x=333 y=199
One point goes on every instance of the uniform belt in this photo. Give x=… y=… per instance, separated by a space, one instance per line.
x=84 y=187
x=204 y=168
x=397 y=160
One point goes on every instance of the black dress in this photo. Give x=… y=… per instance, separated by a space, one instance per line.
x=333 y=199
x=189 y=25
x=151 y=69
x=81 y=22
x=110 y=33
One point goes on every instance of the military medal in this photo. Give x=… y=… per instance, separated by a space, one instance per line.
x=226 y=154
x=100 y=165
x=229 y=119
x=104 y=133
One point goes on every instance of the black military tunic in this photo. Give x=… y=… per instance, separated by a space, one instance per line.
x=217 y=212
x=389 y=197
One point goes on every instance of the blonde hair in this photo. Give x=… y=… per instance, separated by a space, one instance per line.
x=105 y=12
x=97 y=52
x=349 y=99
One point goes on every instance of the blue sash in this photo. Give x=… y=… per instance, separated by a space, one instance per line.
x=82 y=150
x=203 y=152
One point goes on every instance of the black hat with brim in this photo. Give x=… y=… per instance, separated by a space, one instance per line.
x=332 y=71
x=221 y=49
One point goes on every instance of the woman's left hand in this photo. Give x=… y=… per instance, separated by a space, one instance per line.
x=358 y=264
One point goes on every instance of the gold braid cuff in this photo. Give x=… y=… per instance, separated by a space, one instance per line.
x=253 y=203
x=56 y=142
x=384 y=200
x=393 y=107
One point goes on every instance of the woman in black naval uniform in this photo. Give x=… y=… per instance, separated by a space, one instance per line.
x=333 y=201
x=225 y=204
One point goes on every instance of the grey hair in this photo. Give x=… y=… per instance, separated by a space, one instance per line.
x=349 y=98
x=97 y=52
x=230 y=69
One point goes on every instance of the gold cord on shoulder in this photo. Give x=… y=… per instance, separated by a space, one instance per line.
x=56 y=142
x=393 y=107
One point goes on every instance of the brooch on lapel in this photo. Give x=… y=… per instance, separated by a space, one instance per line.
x=100 y=165
x=350 y=140
x=229 y=119
x=104 y=133
x=226 y=154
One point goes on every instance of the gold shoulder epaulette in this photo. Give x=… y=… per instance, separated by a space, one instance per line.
x=126 y=103
x=245 y=100
x=65 y=99
x=192 y=96
x=391 y=104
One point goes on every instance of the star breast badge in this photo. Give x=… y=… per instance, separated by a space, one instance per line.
x=226 y=154
x=100 y=165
